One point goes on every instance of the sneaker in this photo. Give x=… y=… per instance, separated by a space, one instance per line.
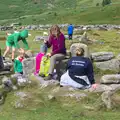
x=49 y=77
x=4 y=58
x=13 y=60
x=42 y=75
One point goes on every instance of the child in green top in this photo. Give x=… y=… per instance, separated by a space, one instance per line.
x=12 y=42
x=18 y=68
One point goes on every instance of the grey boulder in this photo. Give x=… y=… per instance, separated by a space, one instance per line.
x=110 y=79
x=102 y=56
x=28 y=66
x=75 y=45
x=113 y=65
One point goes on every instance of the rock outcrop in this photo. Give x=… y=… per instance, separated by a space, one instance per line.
x=28 y=66
x=113 y=65
x=102 y=56
x=75 y=45
x=110 y=79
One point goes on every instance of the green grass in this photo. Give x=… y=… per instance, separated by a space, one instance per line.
x=59 y=11
x=40 y=108
x=67 y=109
x=110 y=41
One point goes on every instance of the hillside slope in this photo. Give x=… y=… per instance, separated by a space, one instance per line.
x=58 y=11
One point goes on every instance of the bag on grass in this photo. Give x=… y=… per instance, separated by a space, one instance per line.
x=44 y=66
x=38 y=61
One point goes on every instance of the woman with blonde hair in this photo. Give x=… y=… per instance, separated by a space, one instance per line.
x=57 y=42
x=79 y=72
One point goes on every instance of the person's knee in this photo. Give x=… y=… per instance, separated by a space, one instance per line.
x=53 y=59
x=13 y=49
x=8 y=49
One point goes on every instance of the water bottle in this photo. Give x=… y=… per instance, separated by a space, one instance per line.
x=43 y=48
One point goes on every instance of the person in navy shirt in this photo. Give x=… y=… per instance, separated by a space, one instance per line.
x=79 y=72
x=70 y=31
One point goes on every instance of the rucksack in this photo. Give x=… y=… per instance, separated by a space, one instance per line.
x=38 y=61
x=44 y=66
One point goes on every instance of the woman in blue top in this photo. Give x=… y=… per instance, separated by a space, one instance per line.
x=79 y=72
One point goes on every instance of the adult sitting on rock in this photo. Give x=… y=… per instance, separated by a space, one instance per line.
x=57 y=41
x=79 y=72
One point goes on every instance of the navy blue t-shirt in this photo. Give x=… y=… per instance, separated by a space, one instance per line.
x=80 y=66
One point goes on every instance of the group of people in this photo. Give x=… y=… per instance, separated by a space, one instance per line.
x=79 y=71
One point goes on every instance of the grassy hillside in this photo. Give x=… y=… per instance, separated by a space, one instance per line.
x=58 y=11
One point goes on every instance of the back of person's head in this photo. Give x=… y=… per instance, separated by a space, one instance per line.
x=79 y=51
x=55 y=31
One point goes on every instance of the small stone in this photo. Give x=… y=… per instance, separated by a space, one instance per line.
x=18 y=104
x=21 y=94
x=14 y=88
x=51 y=97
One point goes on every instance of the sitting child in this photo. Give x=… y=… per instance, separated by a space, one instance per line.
x=18 y=68
x=79 y=72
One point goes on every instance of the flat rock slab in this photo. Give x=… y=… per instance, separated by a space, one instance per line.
x=21 y=95
x=68 y=92
x=44 y=83
x=103 y=88
x=77 y=37
x=29 y=66
x=4 y=72
x=77 y=96
x=113 y=65
x=110 y=79
x=102 y=56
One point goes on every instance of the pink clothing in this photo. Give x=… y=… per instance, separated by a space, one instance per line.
x=38 y=61
x=58 y=44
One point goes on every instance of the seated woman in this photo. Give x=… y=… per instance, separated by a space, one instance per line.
x=57 y=42
x=79 y=72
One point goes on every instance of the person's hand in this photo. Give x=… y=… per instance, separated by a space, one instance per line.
x=48 y=54
x=94 y=86
x=45 y=41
